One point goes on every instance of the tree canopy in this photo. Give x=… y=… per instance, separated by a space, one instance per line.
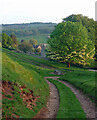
x=25 y=47
x=70 y=41
x=7 y=41
x=15 y=41
x=96 y=40
x=33 y=41
x=88 y=23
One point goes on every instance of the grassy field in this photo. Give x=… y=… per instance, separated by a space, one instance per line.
x=83 y=80
x=28 y=70
x=79 y=76
x=27 y=31
x=39 y=61
x=69 y=105
x=15 y=73
x=40 y=38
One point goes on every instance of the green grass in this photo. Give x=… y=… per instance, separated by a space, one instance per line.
x=83 y=80
x=40 y=61
x=40 y=38
x=69 y=105
x=28 y=31
x=14 y=72
x=19 y=67
x=30 y=66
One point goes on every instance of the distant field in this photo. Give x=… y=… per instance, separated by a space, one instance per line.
x=40 y=38
x=38 y=31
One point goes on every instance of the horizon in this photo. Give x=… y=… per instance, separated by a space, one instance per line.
x=41 y=21
x=30 y=23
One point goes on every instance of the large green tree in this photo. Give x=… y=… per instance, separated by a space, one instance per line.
x=96 y=39
x=71 y=43
x=88 y=23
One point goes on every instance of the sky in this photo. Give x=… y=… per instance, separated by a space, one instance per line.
x=26 y=11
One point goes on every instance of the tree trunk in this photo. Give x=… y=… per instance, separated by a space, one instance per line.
x=69 y=64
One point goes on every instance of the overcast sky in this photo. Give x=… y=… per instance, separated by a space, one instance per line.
x=25 y=11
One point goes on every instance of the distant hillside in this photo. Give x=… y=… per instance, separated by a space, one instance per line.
x=37 y=30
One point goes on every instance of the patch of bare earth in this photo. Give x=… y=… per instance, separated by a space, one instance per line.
x=51 y=109
x=28 y=98
x=88 y=106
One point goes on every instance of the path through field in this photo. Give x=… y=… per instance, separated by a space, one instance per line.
x=53 y=104
x=51 y=109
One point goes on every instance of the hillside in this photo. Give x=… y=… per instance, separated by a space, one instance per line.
x=24 y=90
x=39 y=31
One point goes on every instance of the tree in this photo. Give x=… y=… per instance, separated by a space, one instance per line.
x=33 y=42
x=7 y=41
x=15 y=41
x=52 y=55
x=38 y=50
x=96 y=40
x=4 y=40
x=69 y=40
x=88 y=23
x=25 y=47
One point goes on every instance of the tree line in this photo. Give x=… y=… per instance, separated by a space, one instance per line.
x=11 y=42
x=29 y=30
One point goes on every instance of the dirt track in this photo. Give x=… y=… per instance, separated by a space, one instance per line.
x=51 y=109
x=88 y=107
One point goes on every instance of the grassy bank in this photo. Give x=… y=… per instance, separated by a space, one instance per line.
x=30 y=66
x=69 y=105
x=83 y=80
x=40 y=61
x=16 y=74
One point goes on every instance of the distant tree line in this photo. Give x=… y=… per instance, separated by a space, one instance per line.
x=25 y=46
x=28 y=29
x=29 y=46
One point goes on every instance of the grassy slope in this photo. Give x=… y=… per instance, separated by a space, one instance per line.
x=83 y=80
x=30 y=66
x=14 y=72
x=38 y=31
x=40 y=38
x=54 y=64
x=69 y=105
